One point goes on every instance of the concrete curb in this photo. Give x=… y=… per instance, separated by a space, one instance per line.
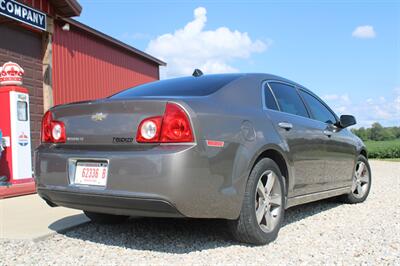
x=30 y=218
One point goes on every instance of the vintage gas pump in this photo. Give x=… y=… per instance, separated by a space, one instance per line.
x=15 y=163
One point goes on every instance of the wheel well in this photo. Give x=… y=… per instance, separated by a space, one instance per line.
x=364 y=153
x=279 y=160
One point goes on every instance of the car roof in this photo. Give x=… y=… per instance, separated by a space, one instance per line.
x=195 y=86
x=266 y=76
x=259 y=76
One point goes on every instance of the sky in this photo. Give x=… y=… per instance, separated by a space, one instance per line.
x=347 y=52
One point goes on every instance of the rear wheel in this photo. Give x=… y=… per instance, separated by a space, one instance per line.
x=361 y=182
x=103 y=218
x=263 y=205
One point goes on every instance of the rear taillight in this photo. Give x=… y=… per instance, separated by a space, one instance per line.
x=149 y=130
x=52 y=131
x=46 y=127
x=176 y=125
x=58 y=132
x=173 y=127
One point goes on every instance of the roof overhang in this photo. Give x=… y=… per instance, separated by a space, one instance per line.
x=67 y=8
x=114 y=41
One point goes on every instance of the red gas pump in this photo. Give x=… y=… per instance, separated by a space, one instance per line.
x=15 y=164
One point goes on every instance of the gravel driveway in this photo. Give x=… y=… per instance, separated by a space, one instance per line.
x=325 y=232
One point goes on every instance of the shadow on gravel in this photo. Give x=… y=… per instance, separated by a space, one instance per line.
x=298 y=213
x=178 y=236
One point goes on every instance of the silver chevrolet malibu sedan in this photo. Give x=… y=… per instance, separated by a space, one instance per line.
x=241 y=147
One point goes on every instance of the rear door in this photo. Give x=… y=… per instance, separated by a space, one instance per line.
x=303 y=135
x=339 y=144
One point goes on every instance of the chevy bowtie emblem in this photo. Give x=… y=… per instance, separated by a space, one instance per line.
x=99 y=117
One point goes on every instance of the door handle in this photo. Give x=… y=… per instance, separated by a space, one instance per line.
x=328 y=133
x=285 y=125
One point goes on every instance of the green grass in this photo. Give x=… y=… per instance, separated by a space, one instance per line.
x=388 y=149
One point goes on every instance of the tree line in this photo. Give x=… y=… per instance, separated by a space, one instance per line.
x=377 y=132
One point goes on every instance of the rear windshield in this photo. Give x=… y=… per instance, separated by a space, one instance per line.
x=187 y=86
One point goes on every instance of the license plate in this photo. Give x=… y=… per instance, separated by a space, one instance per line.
x=91 y=173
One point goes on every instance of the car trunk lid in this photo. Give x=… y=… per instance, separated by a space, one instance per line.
x=106 y=122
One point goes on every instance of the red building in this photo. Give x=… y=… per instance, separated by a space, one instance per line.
x=64 y=60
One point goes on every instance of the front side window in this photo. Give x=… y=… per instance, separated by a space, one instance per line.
x=288 y=99
x=318 y=110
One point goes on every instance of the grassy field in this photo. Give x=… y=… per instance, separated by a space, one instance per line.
x=389 y=149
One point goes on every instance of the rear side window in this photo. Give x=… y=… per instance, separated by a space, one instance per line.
x=187 y=86
x=269 y=99
x=318 y=110
x=288 y=99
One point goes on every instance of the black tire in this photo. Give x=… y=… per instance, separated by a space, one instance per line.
x=102 y=218
x=246 y=228
x=351 y=198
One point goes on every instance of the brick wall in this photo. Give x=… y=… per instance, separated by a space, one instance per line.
x=25 y=48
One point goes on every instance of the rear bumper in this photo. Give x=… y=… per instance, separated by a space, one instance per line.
x=112 y=204
x=163 y=181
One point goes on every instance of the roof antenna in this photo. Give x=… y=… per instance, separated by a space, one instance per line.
x=197 y=73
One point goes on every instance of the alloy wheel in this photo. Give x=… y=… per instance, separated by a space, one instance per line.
x=361 y=180
x=268 y=201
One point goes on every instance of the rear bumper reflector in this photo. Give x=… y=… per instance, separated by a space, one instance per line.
x=215 y=143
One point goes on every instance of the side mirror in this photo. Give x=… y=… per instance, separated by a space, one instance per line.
x=347 y=120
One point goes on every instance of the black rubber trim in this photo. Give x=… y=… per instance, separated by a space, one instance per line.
x=110 y=204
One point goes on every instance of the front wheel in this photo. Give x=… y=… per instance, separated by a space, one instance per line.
x=361 y=182
x=263 y=205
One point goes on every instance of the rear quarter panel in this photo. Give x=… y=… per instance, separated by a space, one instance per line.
x=234 y=114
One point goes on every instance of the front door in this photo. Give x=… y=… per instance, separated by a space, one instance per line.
x=340 y=149
x=341 y=161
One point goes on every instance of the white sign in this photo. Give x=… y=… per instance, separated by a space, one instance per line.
x=23 y=13
x=11 y=74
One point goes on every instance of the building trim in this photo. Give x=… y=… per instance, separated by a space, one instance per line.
x=67 y=8
x=112 y=40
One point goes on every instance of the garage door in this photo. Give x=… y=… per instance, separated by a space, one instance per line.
x=24 y=47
